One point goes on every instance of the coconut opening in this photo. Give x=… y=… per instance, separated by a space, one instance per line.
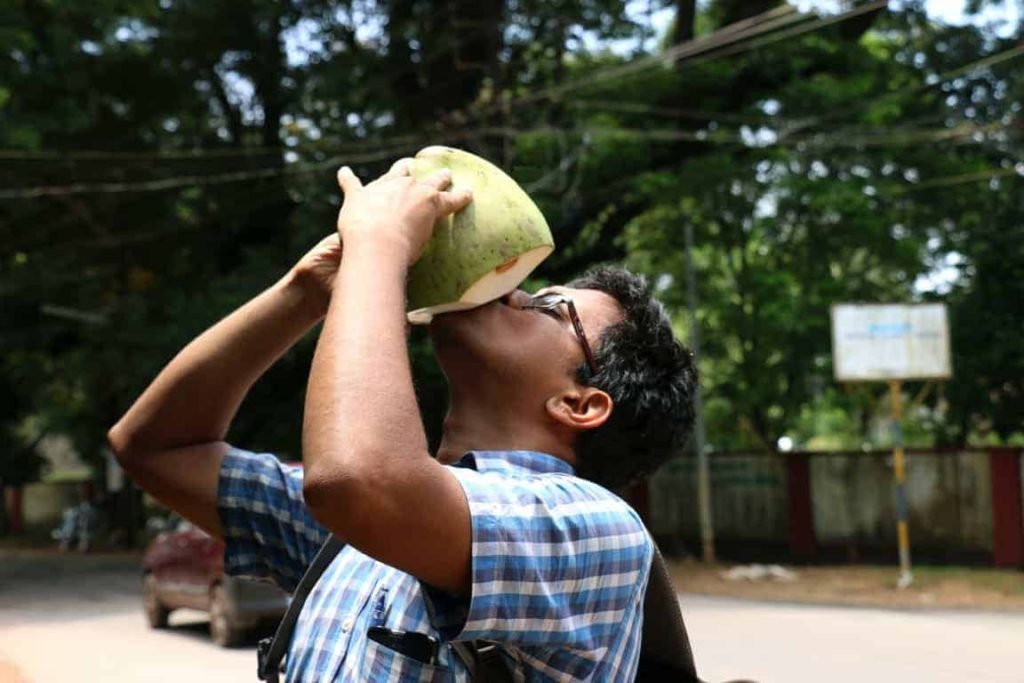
x=491 y=286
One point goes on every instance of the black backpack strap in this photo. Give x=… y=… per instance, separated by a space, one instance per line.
x=664 y=645
x=484 y=662
x=466 y=650
x=270 y=651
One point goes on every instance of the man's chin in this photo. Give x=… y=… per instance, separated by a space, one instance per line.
x=460 y=318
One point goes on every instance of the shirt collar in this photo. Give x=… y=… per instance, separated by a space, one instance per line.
x=515 y=462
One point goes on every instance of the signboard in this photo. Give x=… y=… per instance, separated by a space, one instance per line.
x=880 y=342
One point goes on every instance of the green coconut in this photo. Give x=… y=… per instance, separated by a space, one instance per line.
x=483 y=252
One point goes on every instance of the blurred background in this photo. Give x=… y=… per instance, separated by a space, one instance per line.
x=163 y=161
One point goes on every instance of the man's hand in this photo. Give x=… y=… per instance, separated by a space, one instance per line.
x=395 y=209
x=315 y=272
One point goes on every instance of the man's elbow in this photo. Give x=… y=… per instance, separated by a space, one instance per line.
x=122 y=444
x=129 y=445
x=336 y=495
x=346 y=490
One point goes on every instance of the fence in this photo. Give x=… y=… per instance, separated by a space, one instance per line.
x=961 y=504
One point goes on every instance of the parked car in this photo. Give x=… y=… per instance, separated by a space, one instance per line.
x=184 y=567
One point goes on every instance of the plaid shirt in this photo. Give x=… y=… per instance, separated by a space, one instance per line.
x=560 y=566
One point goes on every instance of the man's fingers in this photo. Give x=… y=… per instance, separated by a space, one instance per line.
x=332 y=240
x=439 y=179
x=402 y=167
x=347 y=180
x=450 y=202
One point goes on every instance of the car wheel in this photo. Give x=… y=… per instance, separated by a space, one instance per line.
x=156 y=612
x=222 y=630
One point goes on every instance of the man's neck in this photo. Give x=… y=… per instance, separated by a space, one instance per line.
x=474 y=428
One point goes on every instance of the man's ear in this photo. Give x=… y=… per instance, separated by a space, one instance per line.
x=580 y=408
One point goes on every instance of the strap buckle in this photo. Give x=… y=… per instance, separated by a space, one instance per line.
x=263 y=663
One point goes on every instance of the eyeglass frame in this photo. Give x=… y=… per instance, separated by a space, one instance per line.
x=550 y=301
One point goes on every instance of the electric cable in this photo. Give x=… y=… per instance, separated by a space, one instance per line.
x=820 y=141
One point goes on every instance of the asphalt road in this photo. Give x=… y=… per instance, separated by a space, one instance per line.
x=807 y=643
x=65 y=619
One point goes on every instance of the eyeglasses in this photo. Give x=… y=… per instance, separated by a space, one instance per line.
x=549 y=303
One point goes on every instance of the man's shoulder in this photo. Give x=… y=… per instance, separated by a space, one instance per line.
x=561 y=495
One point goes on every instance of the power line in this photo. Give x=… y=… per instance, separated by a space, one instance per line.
x=675 y=112
x=960 y=179
x=190 y=154
x=739 y=37
x=397 y=145
x=231 y=205
x=869 y=138
x=849 y=136
x=991 y=60
x=794 y=31
x=142 y=155
x=732 y=34
x=563 y=166
x=898 y=138
x=176 y=182
x=159 y=185
x=675 y=54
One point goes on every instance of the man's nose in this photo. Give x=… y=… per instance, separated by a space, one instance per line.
x=516 y=299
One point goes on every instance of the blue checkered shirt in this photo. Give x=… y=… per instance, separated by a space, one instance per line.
x=560 y=567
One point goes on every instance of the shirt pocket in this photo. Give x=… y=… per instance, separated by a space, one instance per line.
x=381 y=663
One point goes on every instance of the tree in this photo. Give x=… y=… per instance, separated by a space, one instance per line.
x=813 y=169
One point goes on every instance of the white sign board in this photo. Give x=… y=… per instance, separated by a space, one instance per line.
x=873 y=342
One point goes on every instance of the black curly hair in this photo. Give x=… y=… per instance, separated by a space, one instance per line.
x=651 y=378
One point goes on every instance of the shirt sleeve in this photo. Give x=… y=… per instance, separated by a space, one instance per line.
x=268 y=531
x=558 y=562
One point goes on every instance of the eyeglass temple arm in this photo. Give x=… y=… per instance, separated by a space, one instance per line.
x=583 y=341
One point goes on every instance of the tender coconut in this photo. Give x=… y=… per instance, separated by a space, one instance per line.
x=482 y=252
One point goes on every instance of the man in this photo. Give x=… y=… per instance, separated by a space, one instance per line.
x=493 y=538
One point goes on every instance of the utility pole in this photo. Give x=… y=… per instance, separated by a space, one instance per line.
x=900 y=474
x=707 y=532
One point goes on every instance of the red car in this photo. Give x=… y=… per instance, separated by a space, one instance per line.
x=184 y=567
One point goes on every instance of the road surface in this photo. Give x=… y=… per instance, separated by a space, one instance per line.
x=817 y=644
x=65 y=619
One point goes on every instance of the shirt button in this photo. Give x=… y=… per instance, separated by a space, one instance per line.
x=348 y=623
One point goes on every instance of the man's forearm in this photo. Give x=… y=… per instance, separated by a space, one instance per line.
x=361 y=410
x=195 y=397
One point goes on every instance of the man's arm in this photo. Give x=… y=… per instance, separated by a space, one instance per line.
x=369 y=477
x=171 y=441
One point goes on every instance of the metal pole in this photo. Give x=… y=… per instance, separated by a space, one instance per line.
x=900 y=473
x=707 y=533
